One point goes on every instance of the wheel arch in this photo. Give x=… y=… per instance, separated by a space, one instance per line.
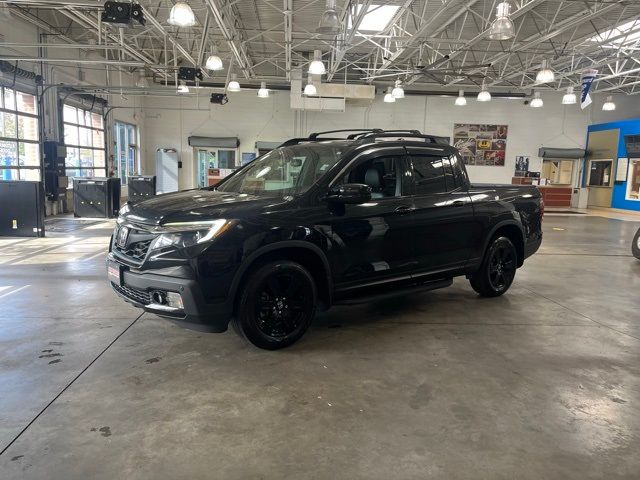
x=304 y=253
x=513 y=231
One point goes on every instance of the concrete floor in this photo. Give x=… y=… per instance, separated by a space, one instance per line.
x=542 y=383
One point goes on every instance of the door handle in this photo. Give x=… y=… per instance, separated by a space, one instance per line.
x=458 y=203
x=403 y=210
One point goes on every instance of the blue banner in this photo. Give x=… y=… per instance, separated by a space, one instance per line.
x=587 y=80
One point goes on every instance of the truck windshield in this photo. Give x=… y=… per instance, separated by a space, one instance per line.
x=285 y=171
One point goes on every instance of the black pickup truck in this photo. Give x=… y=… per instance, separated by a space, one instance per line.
x=316 y=222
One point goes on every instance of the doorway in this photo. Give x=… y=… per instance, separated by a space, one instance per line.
x=214 y=158
x=602 y=149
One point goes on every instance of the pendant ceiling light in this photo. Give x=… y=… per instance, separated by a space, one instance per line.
x=398 y=91
x=461 y=101
x=609 y=106
x=263 y=92
x=214 y=62
x=484 y=95
x=310 y=88
x=537 y=101
x=183 y=88
x=545 y=75
x=233 y=85
x=329 y=22
x=569 y=97
x=181 y=15
x=316 y=67
x=502 y=27
x=389 y=98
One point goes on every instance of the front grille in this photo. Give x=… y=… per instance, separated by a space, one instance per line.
x=136 y=251
x=139 y=296
x=137 y=245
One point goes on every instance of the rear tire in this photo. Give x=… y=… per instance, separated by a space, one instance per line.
x=277 y=305
x=498 y=269
x=635 y=246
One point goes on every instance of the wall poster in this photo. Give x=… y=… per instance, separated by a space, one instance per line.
x=481 y=144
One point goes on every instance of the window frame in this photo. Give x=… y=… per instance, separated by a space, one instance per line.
x=64 y=123
x=16 y=140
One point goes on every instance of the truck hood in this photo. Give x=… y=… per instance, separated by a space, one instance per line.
x=192 y=205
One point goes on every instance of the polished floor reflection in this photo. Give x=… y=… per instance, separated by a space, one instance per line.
x=541 y=383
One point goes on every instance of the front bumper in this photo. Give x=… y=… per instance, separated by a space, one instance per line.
x=196 y=314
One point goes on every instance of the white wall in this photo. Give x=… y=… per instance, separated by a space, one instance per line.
x=252 y=119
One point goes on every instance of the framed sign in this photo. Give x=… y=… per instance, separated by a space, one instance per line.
x=621 y=169
x=481 y=144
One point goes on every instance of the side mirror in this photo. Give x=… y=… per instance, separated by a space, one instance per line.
x=350 y=193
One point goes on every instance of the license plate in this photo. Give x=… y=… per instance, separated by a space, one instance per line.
x=114 y=273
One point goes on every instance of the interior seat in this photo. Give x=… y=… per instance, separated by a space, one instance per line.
x=373 y=178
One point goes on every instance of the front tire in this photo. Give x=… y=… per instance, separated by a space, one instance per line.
x=498 y=269
x=635 y=246
x=277 y=305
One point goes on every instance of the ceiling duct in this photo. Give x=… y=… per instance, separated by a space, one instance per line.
x=331 y=97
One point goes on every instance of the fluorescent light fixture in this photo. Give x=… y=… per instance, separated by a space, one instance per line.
x=310 y=88
x=609 y=106
x=181 y=15
x=569 y=97
x=389 y=98
x=460 y=100
x=183 y=88
x=537 y=101
x=233 y=85
x=545 y=75
x=316 y=67
x=484 y=95
x=628 y=32
x=329 y=22
x=263 y=92
x=214 y=62
x=502 y=27
x=376 y=19
x=398 y=91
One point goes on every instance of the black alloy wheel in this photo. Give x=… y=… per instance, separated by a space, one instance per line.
x=635 y=246
x=498 y=269
x=277 y=305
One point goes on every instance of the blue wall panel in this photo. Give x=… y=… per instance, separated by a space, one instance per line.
x=627 y=127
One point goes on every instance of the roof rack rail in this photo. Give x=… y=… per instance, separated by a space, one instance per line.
x=315 y=135
x=401 y=133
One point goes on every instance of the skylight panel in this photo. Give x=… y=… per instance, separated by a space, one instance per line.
x=624 y=30
x=376 y=19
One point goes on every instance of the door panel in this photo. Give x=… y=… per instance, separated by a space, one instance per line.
x=373 y=241
x=443 y=213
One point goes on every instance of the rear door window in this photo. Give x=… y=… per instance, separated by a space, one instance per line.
x=429 y=173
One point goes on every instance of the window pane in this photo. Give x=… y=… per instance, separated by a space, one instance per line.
x=428 y=174
x=70 y=135
x=27 y=128
x=69 y=114
x=9 y=99
x=85 y=137
x=25 y=102
x=6 y=174
x=9 y=127
x=31 y=174
x=96 y=121
x=98 y=138
x=8 y=154
x=81 y=115
x=86 y=157
x=98 y=158
x=380 y=174
x=29 y=154
x=73 y=158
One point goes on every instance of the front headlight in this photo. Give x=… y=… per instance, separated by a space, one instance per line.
x=188 y=234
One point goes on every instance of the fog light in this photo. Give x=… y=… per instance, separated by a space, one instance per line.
x=174 y=300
